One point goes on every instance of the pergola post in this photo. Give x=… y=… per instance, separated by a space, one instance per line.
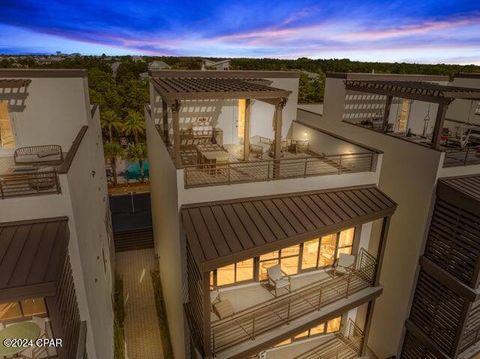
x=277 y=144
x=176 y=133
x=165 y=122
x=386 y=113
x=439 y=121
x=246 y=132
x=206 y=316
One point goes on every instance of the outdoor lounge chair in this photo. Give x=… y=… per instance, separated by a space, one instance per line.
x=278 y=278
x=38 y=155
x=223 y=309
x=344 y=264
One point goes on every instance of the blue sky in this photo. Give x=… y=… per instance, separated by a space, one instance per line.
x=423 y=31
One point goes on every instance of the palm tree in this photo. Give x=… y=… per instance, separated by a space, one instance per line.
x=134 y=124
x=110 y=121
x=113 y=151
x=138 y=153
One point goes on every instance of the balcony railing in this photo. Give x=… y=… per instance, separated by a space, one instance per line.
x=28 y=184
x=268 y=170
x=249 y=323
x=465 y=157
x=347 y=343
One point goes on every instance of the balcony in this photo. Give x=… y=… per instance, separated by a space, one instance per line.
x=281 y=314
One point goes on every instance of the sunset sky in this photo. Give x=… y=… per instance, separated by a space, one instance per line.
x=425 y=31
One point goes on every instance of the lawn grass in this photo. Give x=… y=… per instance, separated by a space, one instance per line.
x=119 y=320
x=162 y=315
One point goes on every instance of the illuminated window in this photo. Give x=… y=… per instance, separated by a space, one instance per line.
x=24 y=309
x=331 y=326
x=334 y=325
x=289 y=259
x=233 y=273
x=310 y=254
x=33 y=307
x=242 y=105
x=328 y=246
x=7 y=139
x=10 y=311
x=345 y=242
x=266 y=261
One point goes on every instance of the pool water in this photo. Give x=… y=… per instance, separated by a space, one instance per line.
x=133 y=170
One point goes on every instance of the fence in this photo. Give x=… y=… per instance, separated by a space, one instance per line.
x=268 y=170
x=467 y=156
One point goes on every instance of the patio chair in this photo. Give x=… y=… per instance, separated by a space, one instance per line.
x=223 y=309
x=44 y=179
x=278 y=278
x=34 y=155
x=344 y=264
x=214 y=296
x=38 y=352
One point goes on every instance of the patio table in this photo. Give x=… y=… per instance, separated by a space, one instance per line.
x=24 y=330
x=212 y=155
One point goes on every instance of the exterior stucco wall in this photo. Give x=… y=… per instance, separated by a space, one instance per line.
x=54 y=112
x=166 y=229
x=87 y=186
x=408 y=176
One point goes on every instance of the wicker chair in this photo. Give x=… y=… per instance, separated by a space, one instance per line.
x=38 y=155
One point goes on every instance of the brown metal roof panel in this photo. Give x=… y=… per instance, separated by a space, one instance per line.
x=32 y=253
x=227 y=231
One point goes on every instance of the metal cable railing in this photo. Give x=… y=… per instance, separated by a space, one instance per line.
x=249 y=323
x=268 y=170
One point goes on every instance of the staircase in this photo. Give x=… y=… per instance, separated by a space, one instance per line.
x=134 y=239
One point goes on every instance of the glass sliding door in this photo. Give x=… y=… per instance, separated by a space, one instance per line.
x=289 y=258
x=327 y=252
x=266 y=261
x=233 y=273
x=345 y=241
x=310 y=254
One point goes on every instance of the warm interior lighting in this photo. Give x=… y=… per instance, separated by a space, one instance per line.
x=310 y=254
x=334 y=325
x=345 y=242
x=242 y=106
x=24 y=309
x=328 y=245
x=6 y=132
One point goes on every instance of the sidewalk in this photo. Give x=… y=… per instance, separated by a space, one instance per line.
x=142 y=332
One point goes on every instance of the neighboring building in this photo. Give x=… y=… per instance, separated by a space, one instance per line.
x=425 y=126
x=222 y=65
x=444 y=320
x=158 y=65
x=252 y=210
x=55 y=232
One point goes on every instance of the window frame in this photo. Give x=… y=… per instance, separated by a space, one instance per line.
x=22 y=311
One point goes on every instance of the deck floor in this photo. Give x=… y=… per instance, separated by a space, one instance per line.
x=142 y=332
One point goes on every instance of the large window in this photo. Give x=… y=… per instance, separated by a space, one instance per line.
x=322 y=252
x=313 y=254
x=331 y=326
x=23 y=309
x=233 y=273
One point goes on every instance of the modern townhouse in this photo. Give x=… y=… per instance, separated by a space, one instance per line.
x=270 y=233
x=427 y=129
x=55 y=233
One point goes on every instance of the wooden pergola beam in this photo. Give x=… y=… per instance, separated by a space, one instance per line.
x=386 y=113
x=438 y=128
x=166 y=134
x=175 y=107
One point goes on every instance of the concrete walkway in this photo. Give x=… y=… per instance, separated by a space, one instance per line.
x=142 y=332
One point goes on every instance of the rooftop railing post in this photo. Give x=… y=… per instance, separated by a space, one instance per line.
x=288 y=310
x=253 y=327
x=268 y=170
x=305 y=168
x=340 y=165
x=1 y=189
x=319 y=298
x=228 y=173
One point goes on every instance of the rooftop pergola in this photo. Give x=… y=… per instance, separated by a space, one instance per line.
x=442 y=95
x=174 y=90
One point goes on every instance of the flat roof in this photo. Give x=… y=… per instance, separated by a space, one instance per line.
x=225 y=232
x=416 y=90
x=32 y=254
x=193 y=88
x=386 y=76
x=42 y=73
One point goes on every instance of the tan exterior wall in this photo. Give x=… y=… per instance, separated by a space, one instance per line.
x=166 y=229
x=408 y=176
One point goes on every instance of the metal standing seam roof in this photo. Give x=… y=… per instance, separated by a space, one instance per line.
x=419 y=90
x=196 y=88
x=466 y=190
x=31 y=257
x=221 y=233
